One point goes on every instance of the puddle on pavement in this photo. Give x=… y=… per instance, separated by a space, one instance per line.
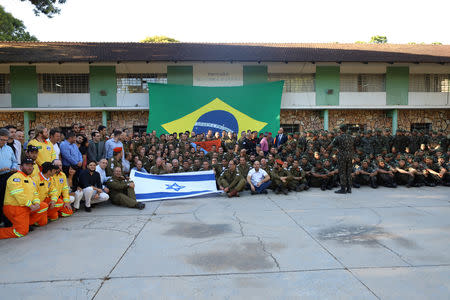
x=243 y=257
x=370 y=236
x=198 y=230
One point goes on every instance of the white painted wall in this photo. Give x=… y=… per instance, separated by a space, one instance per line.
x=293 y=100
x=5 y=100
x=360 y=68
x=220 y=74
x=64 y=100
x=362 y=99
x=132 y=100
x=428 y=99
x=141 y=68
x=292 y=68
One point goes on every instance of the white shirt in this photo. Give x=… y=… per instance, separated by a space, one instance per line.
x=102 y=173
x=256 y=177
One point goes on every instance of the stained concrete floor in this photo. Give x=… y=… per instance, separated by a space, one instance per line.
x=371 y=244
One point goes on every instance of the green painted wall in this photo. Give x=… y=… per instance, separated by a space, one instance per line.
x=24 y=86
x=397 y=85
x=254 y=74
x=182 y=75
x=327 y=78
x=103 y=86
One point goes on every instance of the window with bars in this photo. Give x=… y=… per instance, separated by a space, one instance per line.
x=430 y=83
x=4 y=84
x=355 y=127
x=426 y=127
x=363 y=83
x=137 y=83
x=295 y=83
x=290 y=128
x=64 y=83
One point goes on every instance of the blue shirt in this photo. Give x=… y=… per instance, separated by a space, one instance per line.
x=7 y=159
x=70 y=154
x=109 y=147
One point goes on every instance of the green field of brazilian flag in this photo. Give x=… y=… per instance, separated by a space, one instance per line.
x=177 y=108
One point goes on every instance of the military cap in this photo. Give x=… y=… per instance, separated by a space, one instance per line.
x=290 y=134
x=428 y=157
x=304 y=156
x=389 y=155
x=383 y=149
x=342 y=127
x=318 y=161
x=297 y=133
x=378 y=130
x=279 y=161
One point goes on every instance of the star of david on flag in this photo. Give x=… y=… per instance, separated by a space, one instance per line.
x=174 y=186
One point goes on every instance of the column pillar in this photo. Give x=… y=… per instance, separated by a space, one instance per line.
x=28 y=116
x=394 y=121
x=325 y=119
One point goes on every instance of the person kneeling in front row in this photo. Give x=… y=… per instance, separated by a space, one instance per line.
x=121 y=190
x=91 y=184
x=258 y=179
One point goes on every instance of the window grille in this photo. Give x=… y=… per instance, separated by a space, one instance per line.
x=426 y=127
x=355 y=127
x=140 y=129
x=295 y=83
x=363 y=83
x=430 y=83
x=64 y=83
x=4 y=84
x=290 y=128
x=137 y=83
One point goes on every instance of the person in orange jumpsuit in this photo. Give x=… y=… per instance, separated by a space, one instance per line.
x=22 y=205
x=47 y=191
x=62 y=189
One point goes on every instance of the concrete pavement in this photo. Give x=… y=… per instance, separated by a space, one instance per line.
x=371 y=244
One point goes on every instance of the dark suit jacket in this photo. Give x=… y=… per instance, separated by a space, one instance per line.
x=93 y=154
x=277 y=142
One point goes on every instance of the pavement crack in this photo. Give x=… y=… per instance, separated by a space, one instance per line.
x=260 y=241
x=108 y=276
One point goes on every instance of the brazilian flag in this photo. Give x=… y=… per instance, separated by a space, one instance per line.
x=177 y=108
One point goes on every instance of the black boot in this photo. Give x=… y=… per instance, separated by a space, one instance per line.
x=341 y=191
x=284 y=191
x=349 y=189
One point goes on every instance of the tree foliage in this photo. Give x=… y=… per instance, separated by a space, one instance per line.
x=378 y=39
x=159 y=39
x=12 y=29
x=46 y=7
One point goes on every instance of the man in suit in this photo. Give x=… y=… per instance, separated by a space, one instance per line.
x=96 y=149
x=280 y=139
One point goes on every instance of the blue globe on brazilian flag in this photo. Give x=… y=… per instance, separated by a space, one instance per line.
x=177 y=108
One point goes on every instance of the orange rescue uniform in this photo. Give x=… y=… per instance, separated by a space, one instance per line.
x=62 y=192
x=48 y=194
x=20 y=194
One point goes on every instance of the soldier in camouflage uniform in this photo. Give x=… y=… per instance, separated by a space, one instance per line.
x=159 y=168
x=345 y=145
x=320 y=177
x=121 y=191
x=281 y=178
x=402 y=174
x=364 y=175
x=298 y=182
x=115 y=161
x=231 y=181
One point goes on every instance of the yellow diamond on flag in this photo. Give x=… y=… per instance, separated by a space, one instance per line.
x=215 y=116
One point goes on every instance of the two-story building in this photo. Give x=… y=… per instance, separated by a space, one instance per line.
x=367 y=86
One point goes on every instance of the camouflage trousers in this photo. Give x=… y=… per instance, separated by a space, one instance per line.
x=345 y=171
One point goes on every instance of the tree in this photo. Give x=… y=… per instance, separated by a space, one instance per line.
x=159 y=39
x=436 y=43
x=378 y=39
x=12 y=29
x=47 y=7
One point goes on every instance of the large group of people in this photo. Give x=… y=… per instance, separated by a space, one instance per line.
x=50 y=175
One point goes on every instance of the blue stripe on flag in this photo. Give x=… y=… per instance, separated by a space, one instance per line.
x=168 y=194
x=199 y=177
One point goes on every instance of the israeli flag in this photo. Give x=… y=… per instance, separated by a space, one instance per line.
x=150 y=187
